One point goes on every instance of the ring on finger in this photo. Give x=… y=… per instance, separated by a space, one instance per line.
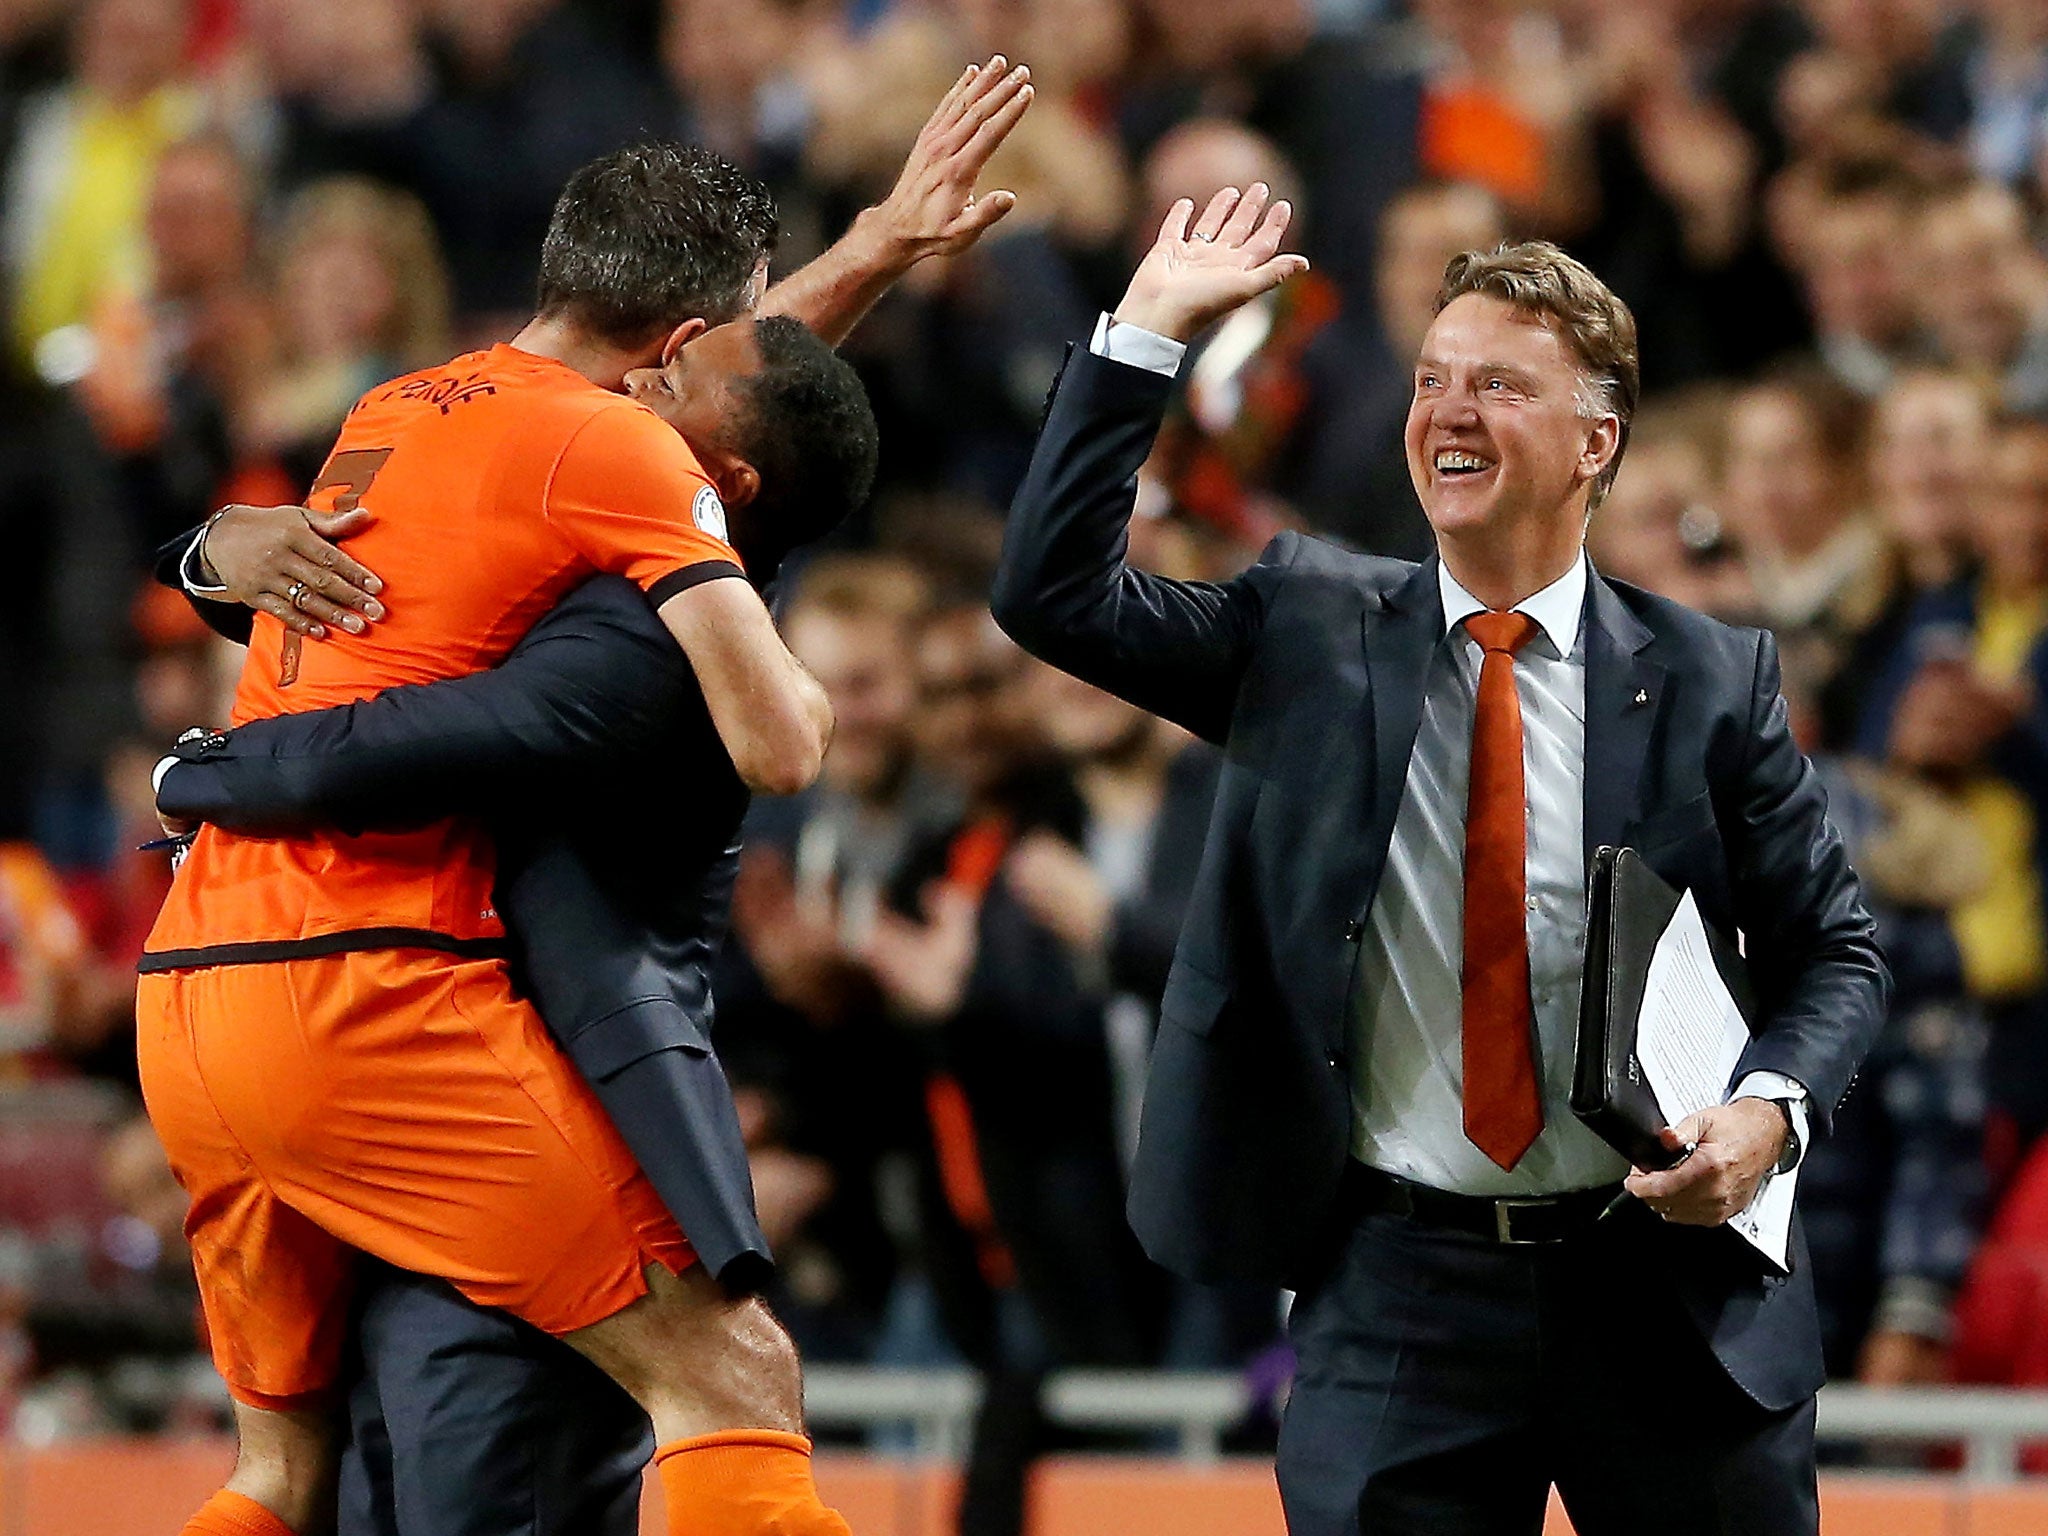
x=296 y=594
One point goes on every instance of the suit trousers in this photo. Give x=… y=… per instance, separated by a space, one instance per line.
x=1446 y=1382
x=467 y=1422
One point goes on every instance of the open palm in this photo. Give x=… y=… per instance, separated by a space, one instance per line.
x=1201 y=268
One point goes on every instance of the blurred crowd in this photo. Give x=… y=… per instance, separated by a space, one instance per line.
x=224 y=219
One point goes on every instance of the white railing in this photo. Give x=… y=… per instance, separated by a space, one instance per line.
x=937 y=1408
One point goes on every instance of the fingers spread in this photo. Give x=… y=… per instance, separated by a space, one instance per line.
x=1265 y=240
x=1175 y=226
x=1271 y=274
x=1213 y=216
x=1245 y=216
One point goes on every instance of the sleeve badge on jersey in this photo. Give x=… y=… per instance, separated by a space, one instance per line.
x=708 y=513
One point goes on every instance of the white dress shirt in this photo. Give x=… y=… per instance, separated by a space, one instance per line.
x=1407 y=1089
x=1407 y=1015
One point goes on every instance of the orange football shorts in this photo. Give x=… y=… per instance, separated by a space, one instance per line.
x=401 y=1103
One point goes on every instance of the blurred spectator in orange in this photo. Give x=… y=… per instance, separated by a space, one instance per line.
x=1500 y=108
x=362 y=296
x=42 y=961
x=78 y=183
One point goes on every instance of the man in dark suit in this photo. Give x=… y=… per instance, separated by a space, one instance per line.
x=1360 y=1087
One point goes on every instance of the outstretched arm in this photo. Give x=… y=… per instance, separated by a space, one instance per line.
x=931 y=211
x=596 y=679
x=1063 y=591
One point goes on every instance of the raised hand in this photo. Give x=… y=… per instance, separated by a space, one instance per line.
x=1196 y=274
x=933 y=210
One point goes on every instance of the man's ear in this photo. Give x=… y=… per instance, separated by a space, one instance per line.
x=738 y=482
x=681 y=337
x=1602 y=444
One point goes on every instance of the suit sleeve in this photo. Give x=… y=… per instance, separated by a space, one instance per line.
x=1063 y=590
x=231 y=621
x=1812 y=944
x=596 y=679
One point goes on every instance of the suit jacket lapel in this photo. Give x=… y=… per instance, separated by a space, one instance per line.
x=1400 y=633
x=1622 y=691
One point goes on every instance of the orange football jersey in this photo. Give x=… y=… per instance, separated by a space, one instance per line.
x=497 y=483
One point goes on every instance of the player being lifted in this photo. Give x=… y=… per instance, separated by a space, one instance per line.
x=331 y=1047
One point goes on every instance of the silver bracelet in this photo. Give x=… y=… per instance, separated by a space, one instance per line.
x=195 y=560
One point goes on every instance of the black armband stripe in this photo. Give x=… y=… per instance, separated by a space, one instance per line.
x=690 y=576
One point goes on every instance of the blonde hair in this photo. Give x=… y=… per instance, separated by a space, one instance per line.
x=397 y=224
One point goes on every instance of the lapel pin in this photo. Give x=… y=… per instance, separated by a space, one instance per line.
x=1642 y=696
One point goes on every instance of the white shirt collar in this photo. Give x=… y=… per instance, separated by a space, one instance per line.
x=1556 y=609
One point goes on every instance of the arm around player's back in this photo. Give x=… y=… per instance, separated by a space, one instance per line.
x=770 y=713
x=634 y=500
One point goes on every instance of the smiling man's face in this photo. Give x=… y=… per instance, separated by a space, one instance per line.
x=1495 y=434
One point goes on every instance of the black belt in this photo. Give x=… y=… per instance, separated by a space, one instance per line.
x=1514 y=1219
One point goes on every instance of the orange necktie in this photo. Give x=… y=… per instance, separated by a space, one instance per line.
x=1503 y=1109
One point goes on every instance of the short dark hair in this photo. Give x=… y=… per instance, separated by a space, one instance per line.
x=1539 y=279
x=805 y=424
x=652 y=235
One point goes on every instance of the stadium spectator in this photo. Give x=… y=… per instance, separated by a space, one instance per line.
x=1854 y=268
x=2007 y=77
x=362 y=297
x=78 y=182
x=1982 y=286
x=1792 y=494
x=1423 y=227
x=216 y=207
x=1658 y=527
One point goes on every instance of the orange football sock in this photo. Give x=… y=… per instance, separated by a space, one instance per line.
x=231 y=1514
x=744 y=1482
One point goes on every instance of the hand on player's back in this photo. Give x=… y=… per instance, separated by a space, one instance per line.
x=1195 y=275
x=282 y=561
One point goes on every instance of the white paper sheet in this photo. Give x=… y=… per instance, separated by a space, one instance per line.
x=1689 y=1036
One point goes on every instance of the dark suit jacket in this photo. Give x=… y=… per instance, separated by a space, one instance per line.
x=1309 y=670
x=616 y=812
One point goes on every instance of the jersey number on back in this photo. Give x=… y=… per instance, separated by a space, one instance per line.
x=350 y=473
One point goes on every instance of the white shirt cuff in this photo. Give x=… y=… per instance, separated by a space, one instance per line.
x=163 y=766
x=1776 y=1085
x=1137 y=347
x=189 y=572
